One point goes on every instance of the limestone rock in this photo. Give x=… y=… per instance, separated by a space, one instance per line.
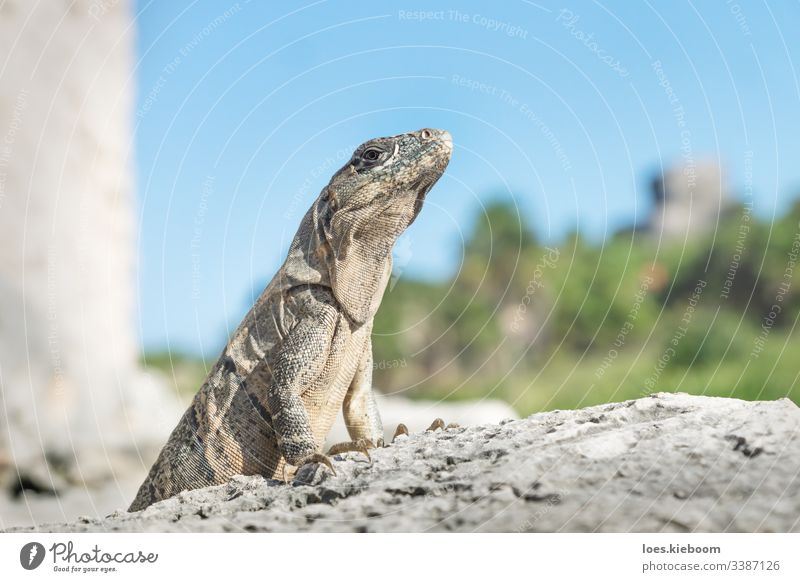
x=667 y=462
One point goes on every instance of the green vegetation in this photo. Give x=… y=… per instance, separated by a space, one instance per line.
x=584 y=324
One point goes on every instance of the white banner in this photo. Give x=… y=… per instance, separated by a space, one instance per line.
x=388 y=557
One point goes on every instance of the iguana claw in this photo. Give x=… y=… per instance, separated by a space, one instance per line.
x=435 y=425
x=400 y=430
x=359 y=446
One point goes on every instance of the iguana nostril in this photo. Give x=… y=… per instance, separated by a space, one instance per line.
x=427 y=134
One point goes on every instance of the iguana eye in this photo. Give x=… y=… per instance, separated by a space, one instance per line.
x=371 y=154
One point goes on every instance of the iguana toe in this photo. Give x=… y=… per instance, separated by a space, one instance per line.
x=400 y=430
x=435 y=425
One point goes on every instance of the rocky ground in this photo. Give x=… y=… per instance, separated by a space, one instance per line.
x=667 y=462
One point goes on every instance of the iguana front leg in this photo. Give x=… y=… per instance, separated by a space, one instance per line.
x=360 y=410
x=299 y=362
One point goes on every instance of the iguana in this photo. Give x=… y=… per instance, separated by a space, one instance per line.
x=304 y=352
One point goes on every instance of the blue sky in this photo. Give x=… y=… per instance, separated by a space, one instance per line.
x=244 y=110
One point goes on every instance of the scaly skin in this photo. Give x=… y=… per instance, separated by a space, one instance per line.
x=304 y=352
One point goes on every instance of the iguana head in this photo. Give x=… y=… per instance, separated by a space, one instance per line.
x=370 y=202
x=392 y=173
